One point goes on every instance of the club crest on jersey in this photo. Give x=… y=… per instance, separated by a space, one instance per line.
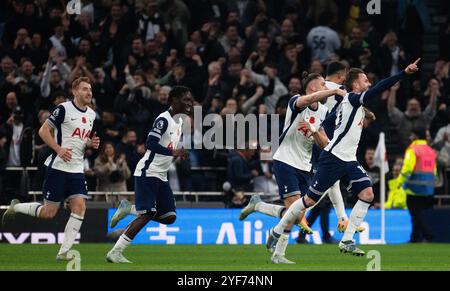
x=160 y=124
x=84 y=134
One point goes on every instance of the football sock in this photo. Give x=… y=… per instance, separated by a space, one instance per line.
x=269 y=209
x=31 y=209
x=280 y=248
x=122 y=243
x=290 y=216
x=356 y=217
x=337 y=201
x=70 y=232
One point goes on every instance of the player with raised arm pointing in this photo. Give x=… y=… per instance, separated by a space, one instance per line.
x=292 y=160
x=338 y=160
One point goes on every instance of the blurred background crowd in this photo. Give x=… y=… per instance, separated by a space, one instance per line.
x=237 y=56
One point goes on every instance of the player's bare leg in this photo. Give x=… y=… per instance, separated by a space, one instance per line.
x=77 y=206
x=115 y=254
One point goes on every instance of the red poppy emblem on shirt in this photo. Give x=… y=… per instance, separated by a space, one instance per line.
x=83 y=119
x=312 y=119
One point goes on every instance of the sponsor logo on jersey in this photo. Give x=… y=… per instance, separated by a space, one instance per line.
x=83 y=134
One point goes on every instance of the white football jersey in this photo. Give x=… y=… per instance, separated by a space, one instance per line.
x=169 y=133
x=323 y=41
x=73 y=128
x=295 y=148
x=331 y=101
x=348 y=128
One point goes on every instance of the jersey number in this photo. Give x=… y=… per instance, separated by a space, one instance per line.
x=319 y=42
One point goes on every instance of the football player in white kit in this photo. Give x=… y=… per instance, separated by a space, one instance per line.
x=154 y=197
x=292 y=160
x=336 y=75
x=338 y=159
x=68 y=132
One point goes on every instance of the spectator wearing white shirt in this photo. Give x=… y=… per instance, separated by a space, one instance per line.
x=323 y=40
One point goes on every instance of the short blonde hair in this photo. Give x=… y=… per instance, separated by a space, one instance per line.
x=78 y=81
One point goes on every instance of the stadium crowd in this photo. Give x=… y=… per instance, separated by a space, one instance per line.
x=237 y=56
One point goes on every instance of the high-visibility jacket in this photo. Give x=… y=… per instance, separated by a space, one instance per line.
x=396 y=196
x=419 y=169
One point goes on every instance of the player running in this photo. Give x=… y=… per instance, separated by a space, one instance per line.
x=292 y=160
x=154 y=198
x=338 y=160
x=336 y=74
x=67 y=132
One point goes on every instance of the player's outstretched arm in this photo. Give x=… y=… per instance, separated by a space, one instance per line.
x=47 y=135
x=386 y=83
x=303 y=101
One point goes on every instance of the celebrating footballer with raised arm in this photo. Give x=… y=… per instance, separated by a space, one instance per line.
x=338 y=160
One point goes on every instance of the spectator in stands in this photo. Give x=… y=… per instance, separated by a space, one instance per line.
x=215 y=86
x=269 y=79
x=262 y=51
x=374 y=174
x=150 y=21
x=18 y=150
x=250 y=105
x=412 y=118
x=323 y=40
x=287 y=33
x=393 y=56
x=289 y=64
x=396 y=198
x=22 y=46
x=38 y=54
x=55 y=74
x=6 y=110
x=110 y=128
x=177 y=16
x=7 y=67
x=111 y=170
x=354 y=46
x=265 y=182
x=240 y=175
x=41 y=152
x=19 y=139
x=128 y=146
x=3 y=159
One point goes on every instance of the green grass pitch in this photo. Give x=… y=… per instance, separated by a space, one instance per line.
x=227 y=257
